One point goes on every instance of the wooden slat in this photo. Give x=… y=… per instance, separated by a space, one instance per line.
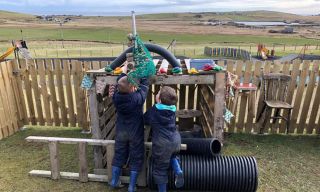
x=44 y=91
x=79 y=95
x=95 y=65
x=11 y=89
x=187 y=62
x=286 y=71
x=54 y=160
x=4 y=115
x=53 y=95
x=28 y=90
x=315 y=106
x=239 y=68
x=35 y=88
x=83 y=164
x=61 y=92
x=182 y=97
x=21 y=95
x=299 y=95
x=251 y=96
x=110 y=155
x=67 y=78
x=11 y=107
x=190 y=96
x=307 y=99
x=291 y=89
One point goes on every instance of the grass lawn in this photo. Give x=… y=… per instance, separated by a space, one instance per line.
x=286 y=163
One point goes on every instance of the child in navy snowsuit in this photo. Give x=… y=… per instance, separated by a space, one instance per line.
x=166 y=139
x=129 y=139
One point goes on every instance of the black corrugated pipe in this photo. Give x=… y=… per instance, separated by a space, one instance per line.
x=152 y=48
x=201 y=146
x=219 y=173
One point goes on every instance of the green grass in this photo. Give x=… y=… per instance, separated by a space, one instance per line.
x=286 y=163
x=119 y=35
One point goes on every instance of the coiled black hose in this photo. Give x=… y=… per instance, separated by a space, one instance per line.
x=152 y=48
x=200 y=146
x=219 y=173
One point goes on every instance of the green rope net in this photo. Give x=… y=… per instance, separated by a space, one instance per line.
x=144 y=66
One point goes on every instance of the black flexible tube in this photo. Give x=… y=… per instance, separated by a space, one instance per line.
x=220 y=173
x=152 y=48
x=201 y=146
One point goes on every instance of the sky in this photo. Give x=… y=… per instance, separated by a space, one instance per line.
x=123 y=7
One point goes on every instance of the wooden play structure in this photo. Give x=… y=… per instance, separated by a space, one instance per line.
x=201 y=92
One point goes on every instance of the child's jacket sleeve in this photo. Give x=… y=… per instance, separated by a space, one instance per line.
x=142 y=92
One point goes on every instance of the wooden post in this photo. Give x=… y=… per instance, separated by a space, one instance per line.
x=83 y=165
x=219 y=105
x=110 y=154
x=54 y=160
x=284 y=47
x=96 y=131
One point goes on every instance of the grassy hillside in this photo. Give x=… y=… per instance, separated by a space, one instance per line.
x=14 y=15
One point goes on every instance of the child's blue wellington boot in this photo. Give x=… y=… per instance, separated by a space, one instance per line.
x=179 y=180
x=133 y=181
x=115 y=181
x=162 y=187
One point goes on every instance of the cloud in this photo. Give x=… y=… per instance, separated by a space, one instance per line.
x=151 y=6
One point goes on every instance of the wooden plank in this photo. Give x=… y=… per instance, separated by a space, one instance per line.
x=79 y=95
x=44 y=91
x=35 y=88
x=83 y=164
x=291 y=89
x=75 y=176
x=307 y=100
x=8 y=128
x=110 y=155
x=62 y=104
x=182 y=97
x=239 y=68
x=28 y=89
x=174 y=79
x=251 y=98
x=95 y=65
x=4 y=116
x=315 y=106
x=74 y=141
x=53 y=95
x=190 y=96
x=286 y=71
x=299 y=95
x=54 y=160
x=7 y=97
x=218 y=126
x=21 y=95
x=67 y=77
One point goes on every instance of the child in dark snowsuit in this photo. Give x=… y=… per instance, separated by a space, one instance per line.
x=129 y=139
x=166 y=139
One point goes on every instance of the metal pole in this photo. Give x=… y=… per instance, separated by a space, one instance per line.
x=134 y=29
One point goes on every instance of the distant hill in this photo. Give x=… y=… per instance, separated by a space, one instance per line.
x=231 y=16
x=14 y=15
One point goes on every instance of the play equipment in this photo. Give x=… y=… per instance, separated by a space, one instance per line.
x=18 y=47
x=265 y=53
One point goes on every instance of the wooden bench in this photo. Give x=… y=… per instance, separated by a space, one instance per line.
x=83 y=175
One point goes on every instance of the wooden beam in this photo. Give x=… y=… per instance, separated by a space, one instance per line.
x=94 y=142
x=75 y=176
x=172 y=79
x=54 y=160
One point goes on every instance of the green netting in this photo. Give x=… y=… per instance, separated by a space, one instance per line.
x=144 y=66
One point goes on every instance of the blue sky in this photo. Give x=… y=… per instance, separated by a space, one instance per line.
x=123 y=7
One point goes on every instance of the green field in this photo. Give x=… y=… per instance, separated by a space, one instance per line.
x=285 y=163
x=118 y=36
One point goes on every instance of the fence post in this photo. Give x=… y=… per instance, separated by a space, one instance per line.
x=284 y=47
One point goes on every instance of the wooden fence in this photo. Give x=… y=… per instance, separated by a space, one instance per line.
x=47 y=92
x=227 y=52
